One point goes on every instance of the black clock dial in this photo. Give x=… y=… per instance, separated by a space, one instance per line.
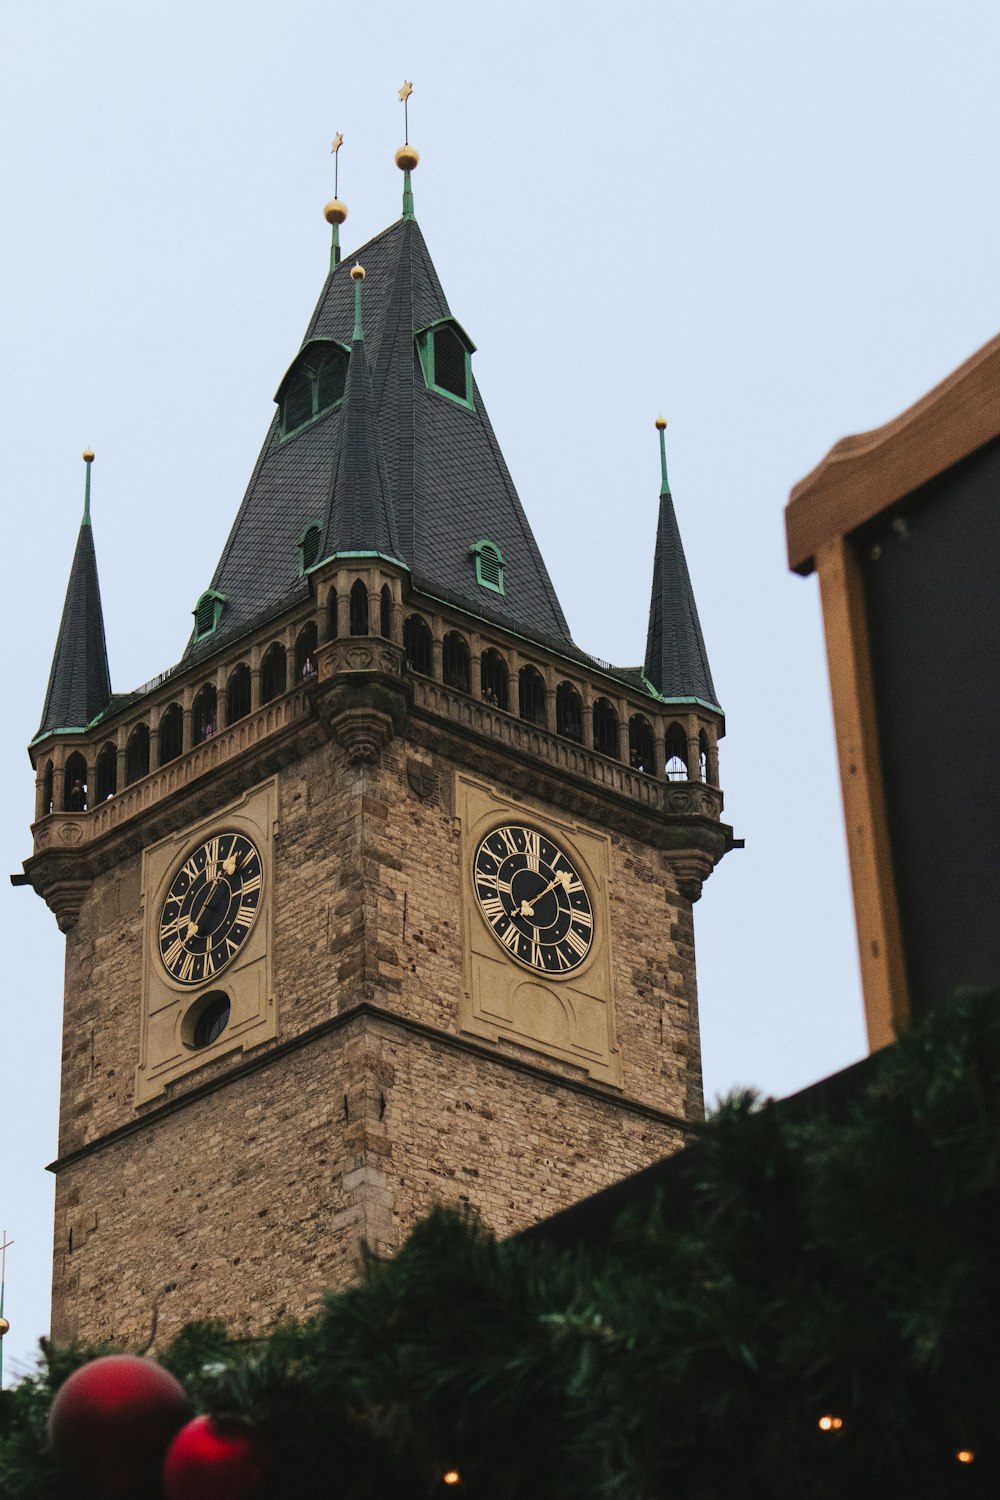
x=210 y=908
x=533 y=899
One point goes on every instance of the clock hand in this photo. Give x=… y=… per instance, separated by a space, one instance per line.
x=562 y=877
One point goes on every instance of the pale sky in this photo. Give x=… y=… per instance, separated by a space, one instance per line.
x=776 y=222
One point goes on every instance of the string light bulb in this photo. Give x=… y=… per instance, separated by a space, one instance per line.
x=830 y=1423
x=965 y=1455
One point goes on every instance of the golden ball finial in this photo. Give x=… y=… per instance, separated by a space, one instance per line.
x=4 y=1327
x=407 y=158
x=357 y=273
x=335 y=211
x=88 y=455
x=661 y=422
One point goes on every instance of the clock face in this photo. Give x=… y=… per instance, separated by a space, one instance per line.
x=533 y=899
x=210 y=908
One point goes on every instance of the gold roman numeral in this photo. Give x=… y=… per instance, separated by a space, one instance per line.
x=186 y=969
x=578 y=944
x=508 y=839
x=533 y=849
x=173 y=953
x=246 y=914
x=510 y=937
x=493 y=908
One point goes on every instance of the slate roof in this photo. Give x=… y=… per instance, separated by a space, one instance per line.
x=676 y=660
x=79 y=682
x=447 y=480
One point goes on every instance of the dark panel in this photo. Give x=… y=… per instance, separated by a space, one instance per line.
x=932 y=583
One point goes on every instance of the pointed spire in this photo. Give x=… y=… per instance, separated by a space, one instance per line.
x=335 y=211
x=407 y=157
x=361 y=516
x=676 y=659
x=79 y=683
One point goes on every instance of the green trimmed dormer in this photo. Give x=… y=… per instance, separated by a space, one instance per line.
x=312 y=385
x=445 y=352
x=207 y=613
x=489 y=565
x=308 y=542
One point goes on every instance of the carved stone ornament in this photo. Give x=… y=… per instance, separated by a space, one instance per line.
x=422 y=779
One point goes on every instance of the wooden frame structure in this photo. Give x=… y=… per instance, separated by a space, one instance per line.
x=860 y=479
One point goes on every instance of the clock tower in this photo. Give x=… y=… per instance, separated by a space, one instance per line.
x=382 y=896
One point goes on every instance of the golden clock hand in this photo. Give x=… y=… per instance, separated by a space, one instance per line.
x=562 y=877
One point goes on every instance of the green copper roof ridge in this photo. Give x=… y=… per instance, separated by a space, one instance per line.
x=664 y=481
x=88 y=459
x=397 y=562
x=358 y=336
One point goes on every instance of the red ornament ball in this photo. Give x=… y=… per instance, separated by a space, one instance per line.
x=111 y=1423
x=211 y=1459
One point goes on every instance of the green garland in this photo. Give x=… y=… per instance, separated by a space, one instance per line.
x=834 y=1259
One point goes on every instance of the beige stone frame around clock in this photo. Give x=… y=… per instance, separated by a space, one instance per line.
x=571 y=1018
x=164 y=1054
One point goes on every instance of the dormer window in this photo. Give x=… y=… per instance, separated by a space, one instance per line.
x=308 y=545
x=207 y=613
x=489 y=565
x=314 y=383
x=445 y=351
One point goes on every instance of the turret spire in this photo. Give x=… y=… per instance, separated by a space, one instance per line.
x=676 y=659
x=79 y=683
x=361 y=515
x=407 y=157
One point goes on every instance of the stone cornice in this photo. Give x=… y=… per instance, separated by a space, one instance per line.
x=469 y=1046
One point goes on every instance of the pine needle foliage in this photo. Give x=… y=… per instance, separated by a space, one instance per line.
x=835 y=1256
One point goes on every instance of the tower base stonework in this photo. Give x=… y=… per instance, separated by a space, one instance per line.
x=248 y=1185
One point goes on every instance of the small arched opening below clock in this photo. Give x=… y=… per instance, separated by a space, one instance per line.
x=206 y=1020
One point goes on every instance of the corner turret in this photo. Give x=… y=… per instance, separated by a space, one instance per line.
x=79 y=682
x=676 y=660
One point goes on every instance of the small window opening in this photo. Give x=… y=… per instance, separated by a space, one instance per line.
x=531 y=696
x=332 y=625
x=455 y=662
x=238 y=694
x=75 y=790
x=314 y=385
x=606 y=729
x=418 y=645
x=495 y=680
x=385 y=612
x=703 y=755
x=359 y=608
x=676 y=751
x=489 y=565
x=331 y=378
x=297 y=400
x=137 y=754
x=305 y=652
x=309 y=546
x=207 y=1019
x=107 y=772
x=171 y=735
x=207 y=613
x=47 y=781
x=451 y=363
x=272 y=672
x=569 y=712
x=204 y=715
x=641 y=745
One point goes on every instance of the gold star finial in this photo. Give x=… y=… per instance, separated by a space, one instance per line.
x=336 y=143
x=405 y=91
